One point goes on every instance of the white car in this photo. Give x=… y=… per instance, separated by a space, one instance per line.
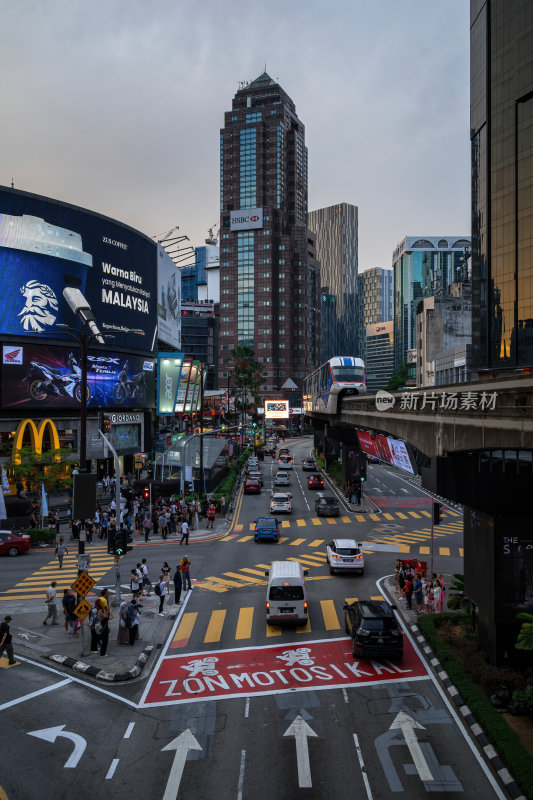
x=280 y=502
x=282 y=479
x=344 y=555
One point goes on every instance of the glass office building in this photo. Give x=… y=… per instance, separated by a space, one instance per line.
x=501 y=124
x=336 y=231
x=423 y=267
x=269 y=275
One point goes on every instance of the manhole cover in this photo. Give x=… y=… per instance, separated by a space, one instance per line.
x=392 y=528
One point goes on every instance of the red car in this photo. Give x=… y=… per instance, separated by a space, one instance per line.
x=11 y=544
x=252 y=486
x=315 y=482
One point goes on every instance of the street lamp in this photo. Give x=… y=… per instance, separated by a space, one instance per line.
x=202 y=369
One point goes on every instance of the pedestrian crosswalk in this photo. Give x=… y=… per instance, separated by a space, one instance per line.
x=35 y=584
x=451 y=517
x=249 y=622
x=240 y=578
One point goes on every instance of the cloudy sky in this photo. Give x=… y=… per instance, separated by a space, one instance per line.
x=116 y=106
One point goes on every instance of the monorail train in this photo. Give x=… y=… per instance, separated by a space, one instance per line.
x=339 y=377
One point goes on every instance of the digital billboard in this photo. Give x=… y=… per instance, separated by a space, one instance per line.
x=168 y=299
x=168 y=378
x=46 y=245
x=48 y=378
x=277 y=409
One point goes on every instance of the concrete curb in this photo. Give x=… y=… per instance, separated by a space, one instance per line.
x=102 y=674
x=451 y=690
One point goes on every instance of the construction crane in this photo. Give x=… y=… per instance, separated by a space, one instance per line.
x=211 y=237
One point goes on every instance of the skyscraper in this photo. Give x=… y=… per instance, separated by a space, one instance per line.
x=269 y=276
x=501 y=124
x=375 y=291
x=336 y=230
x=423 y=267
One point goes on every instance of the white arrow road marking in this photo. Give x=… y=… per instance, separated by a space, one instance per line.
x=404 y=490
x=51 y=734
x=301 y=730
x=407 y=726
x=181 y=744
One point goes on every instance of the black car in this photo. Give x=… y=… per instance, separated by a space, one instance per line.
x=374 y=629
x=327 y=507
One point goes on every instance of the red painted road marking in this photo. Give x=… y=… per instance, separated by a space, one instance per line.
x=280 y=668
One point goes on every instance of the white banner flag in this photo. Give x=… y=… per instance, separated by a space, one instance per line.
x=5 y=483
x=44 y=502
x=3 y=512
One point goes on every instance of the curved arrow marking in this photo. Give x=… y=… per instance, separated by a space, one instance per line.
x=51 y=734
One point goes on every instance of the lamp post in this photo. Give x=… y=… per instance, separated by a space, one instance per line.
x=202 y=369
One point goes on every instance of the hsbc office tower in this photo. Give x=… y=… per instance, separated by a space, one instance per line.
x=269 y=276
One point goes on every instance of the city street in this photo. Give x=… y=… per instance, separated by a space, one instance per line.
x=273 y=710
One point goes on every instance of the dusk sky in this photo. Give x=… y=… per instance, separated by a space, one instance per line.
x=116 y=106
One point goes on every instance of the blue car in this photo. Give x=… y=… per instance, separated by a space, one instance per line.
x=267 y=529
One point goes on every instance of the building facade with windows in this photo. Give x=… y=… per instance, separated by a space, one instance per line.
x=501 y=125
x=379 y=359
x=269 y=274
x=375 y=291
x=423 y=267
x=336 y=231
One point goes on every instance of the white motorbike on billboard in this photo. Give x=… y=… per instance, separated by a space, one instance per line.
x=45 y=381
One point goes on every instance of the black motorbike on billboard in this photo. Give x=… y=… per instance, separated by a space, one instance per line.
x=133 y=388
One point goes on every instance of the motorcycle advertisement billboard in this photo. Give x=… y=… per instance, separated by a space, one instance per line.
x=48 y=378
x=46 y=245
x=391 y=451
x=168 y=299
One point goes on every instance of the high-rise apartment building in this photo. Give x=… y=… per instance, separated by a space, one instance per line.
x=375 y=292
x=269 y=275
x=379 y=356
x=501 y=124
x=336 y=231
x=423 y=267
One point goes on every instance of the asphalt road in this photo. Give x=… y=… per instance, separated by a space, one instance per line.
x=234 y=708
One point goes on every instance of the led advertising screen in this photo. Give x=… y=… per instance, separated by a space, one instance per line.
x=168 y=299
x=392 y=451
x=168 y=378
x=277 y=409
x=46 y=245
x=48 y=378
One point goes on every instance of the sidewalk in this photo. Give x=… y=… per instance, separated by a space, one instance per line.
x=51 y=645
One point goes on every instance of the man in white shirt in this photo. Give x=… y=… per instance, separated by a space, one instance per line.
x=50 y=601
x=184 y=532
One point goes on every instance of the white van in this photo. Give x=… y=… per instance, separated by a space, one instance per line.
x=286 y=597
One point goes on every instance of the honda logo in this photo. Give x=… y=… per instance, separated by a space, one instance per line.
x=12 y=355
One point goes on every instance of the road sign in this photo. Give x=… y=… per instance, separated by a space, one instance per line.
x=83 y=584
x=82 y=609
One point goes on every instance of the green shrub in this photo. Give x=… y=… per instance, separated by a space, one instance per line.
x=38 y=535
x=504 y=739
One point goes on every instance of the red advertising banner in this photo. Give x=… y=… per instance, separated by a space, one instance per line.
x=392 y=451
x=326 y=664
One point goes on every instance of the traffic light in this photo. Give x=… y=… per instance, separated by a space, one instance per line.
x=106 y=425
x=436 y=512
x=129 y=539
x=146 y=492
x=120 y=544
x=111 y=542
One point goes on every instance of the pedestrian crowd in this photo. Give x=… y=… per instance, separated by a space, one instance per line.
x=414 y=586
x=166 y=516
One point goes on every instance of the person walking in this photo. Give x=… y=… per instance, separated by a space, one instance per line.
x=50 y=601
x=147 y=583
x=60 y=551
x=6 y=640
x=185 y=567
x=184 y=532
x=162 y=593
x=147 y=525
x=177 y=586
x=69 y=604
x=223 y=506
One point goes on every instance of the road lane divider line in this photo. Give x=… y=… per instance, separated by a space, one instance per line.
x=329 y=614
x=38 y=693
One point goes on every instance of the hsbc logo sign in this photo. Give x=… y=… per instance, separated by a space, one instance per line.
x=12 y=355
x=246 y=219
